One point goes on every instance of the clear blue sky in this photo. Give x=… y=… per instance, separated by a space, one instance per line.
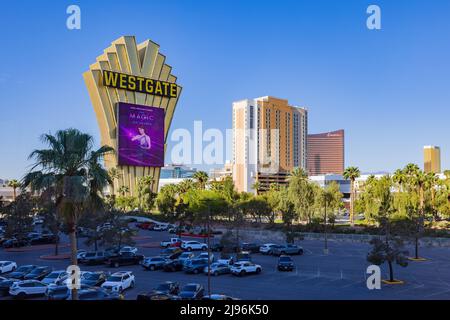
x=388 y=89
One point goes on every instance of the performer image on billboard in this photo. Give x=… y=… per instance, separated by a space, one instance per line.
x=141 y=135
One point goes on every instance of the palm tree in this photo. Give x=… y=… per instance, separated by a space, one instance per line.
x=202 y=178
x=256 y=186
x=124 y=190
x=399 y=178
x=298 y=173
x=418 y=180
x=14 y=184
x=114 y=174
x=351 y=173
x=72 y=166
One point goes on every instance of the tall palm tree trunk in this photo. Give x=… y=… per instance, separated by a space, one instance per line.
x=352 y=200
x=391 y=271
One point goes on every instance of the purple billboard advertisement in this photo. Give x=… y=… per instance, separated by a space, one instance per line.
x=140 y=135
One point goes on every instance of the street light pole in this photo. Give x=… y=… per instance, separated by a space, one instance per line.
x=209 y=252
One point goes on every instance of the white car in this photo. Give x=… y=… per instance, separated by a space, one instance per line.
x=119 y=281
x=128 y=249
x=193 y=245
x=266 y=248
x=26 y=288
x=226 y=259
x=160 y=227
x=81 y=254
x=56 y=277
x=204 y=255
x=7 y=266
x=245 y=267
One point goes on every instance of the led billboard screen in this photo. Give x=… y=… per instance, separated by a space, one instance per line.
x=140 y=135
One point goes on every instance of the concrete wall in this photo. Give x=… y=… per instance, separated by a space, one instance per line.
x=266 y=236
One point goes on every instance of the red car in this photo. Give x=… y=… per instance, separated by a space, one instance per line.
x=145 y=225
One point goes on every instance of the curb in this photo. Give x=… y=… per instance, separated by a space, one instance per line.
x=58 y=257
x=33 y=248
x=393 y=282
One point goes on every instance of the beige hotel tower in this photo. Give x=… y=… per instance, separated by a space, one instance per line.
x=269 y=140
x=432 y=159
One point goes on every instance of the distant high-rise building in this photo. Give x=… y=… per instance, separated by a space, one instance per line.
x=432 y=159
x=269 y=140
x=326 y=153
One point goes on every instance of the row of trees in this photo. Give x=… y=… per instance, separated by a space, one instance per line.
x=299 y=201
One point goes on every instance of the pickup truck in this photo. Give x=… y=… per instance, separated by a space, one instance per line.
x=173 y=242
x=125 y=258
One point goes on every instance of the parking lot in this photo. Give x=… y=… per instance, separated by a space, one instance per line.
x=339 y=275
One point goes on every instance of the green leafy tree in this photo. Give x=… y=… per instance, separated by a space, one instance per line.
x=389 y=252
x=201 y=177
x=18 y=217
x=146 y=197
x=15 y=185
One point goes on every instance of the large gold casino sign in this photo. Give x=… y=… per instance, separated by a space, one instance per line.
x=132 y=73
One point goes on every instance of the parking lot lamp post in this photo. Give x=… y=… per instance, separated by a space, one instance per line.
x=325 y=250
x=208 y=212
x=209 y=251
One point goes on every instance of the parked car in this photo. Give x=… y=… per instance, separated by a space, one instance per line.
x=7 y=266
x=128 y=249
x=160 y=227
x=185 y=256
x=243 y=256
x=173 y=242
x=5 y=285
x=168 y=287
x=216 y=247
x=81 y=254
x=250 y=247
x=26 y=288
x=56 y=277
x=266 y=248
x=218 y=297
x=15 y=243
x=38 y=273
x=171 y=253
x=94 y=279
x=93 y=257
x=173 y=265
x=153 y=263
x=285 y=263
x=204 y=255
x=98 y=294
x=226 y=258
x=43 y=239
x=145 y=225
x=125 y=258
x=218 y=269
x=60 y=292
x=195 y=266
x=191 y=291
x=119 y=281
x=286 y=249
x=22 y=271
x=243 y=268
x=194 y=245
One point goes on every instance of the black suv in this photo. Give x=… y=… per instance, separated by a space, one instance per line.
x=285 y=263
x=125 y=258
x=168 y=287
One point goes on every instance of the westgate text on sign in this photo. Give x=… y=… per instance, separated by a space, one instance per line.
x=139 y=84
